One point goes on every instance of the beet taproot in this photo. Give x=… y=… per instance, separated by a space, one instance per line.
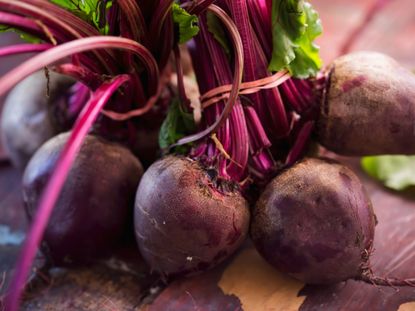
x=315 y=222
x=368 y=107
x=183 y=223
x=29 y=114
x=96 y=202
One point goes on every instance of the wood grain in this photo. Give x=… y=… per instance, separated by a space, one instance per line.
x=409 y=306
x=258 y=286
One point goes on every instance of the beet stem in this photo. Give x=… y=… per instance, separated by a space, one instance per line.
x=59 y=25
x=23 y=23
x=385 y=281
x=158 y=19
x=24 y=48
x=198 y=7
x=80 y=95
x=84 y=28
x=238 y=71
x=123 y=116
x=81 y=74
x=300 y=144
x=86 y=44
x=238 y=131
x=255 y=65
x=180 y=82
x=135 y=19
x=55 y=184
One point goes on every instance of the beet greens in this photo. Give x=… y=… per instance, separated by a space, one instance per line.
x=264 y=131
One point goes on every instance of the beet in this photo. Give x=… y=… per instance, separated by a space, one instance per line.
x=96 y=201
x=28 y=118
x=183 y=223
x=315 y=222
x=368 y=107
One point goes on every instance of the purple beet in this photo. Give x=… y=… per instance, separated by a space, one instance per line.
x=29 y=115
x=96 y=203
x=315 y=222
x=368 y=107
x=183 y=223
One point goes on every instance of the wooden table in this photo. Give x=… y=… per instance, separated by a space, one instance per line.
x=245 y=282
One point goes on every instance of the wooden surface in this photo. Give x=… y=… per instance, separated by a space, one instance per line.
x=245 y=282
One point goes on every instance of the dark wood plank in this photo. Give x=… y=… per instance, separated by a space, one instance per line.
x=196 y=293
x=118 y=283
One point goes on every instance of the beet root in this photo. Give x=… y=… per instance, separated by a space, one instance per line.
x=95 y=204
x=315 y=222
x=28 y=118
x=368 y=107
x=183 y=224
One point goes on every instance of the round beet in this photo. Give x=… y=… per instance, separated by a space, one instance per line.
x=95 y=204
x=28 y=117
x=183 y=224
x=315 y=222
x=368 y=107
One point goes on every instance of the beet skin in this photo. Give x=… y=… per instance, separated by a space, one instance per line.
x=96 y=202
x=183 y=224
x=28 y=117
x=368 y=107
x=315 y=222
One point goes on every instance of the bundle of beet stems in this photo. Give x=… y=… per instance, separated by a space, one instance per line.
x=244 y=168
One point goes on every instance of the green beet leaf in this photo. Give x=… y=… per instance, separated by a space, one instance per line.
x=176 y=125
x=186 y=23
x=91 y=11
x=295 y=26
x=24 y=36
x=396 y=172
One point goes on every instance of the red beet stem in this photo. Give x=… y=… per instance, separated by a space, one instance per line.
x=81 y=74
x=86 y=44
x=198 y=7
x=22 y=23
x=51 y=24
x=236 y=84
x=135 y=19
x=180 y=80
x=24 y=48
x=300 y=143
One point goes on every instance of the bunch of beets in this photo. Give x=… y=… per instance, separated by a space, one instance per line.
x=105 y=122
